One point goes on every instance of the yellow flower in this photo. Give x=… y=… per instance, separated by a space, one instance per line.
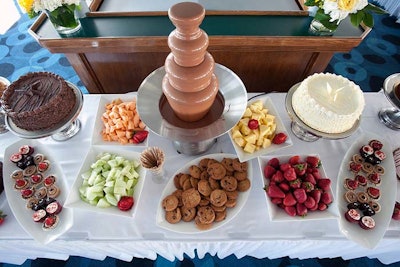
x=347 y=5
x=26 y=4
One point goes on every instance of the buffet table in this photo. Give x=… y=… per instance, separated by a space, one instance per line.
x=96 y=236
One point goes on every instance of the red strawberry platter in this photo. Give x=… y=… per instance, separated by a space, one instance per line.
x=36 y=190
x=366 y=190
x=110 y=181
x=118 y=122
x=297 y=188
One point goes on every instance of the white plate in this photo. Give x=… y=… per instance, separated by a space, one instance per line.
x=280 y=127
x=18 y=204
x=278 y=214
x=99 y=125
x=74 y=200
x=388 y=188
x=190 y=227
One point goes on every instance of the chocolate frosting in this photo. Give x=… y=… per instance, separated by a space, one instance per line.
x=34 y=93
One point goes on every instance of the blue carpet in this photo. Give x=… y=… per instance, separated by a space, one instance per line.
x=377 y=57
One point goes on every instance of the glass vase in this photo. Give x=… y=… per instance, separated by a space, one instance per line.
x=65 y=19
x=317 y=28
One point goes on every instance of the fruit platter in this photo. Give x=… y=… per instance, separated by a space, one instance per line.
x=202 y=197
x=297 y=188
x=260 y=130
x=110 y=181
x=36 y=190
x=365 y=191
x=118 y=122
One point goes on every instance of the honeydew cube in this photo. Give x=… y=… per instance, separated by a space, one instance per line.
x=240 y=141
x=266 y=143
x=111 y=199
x=103 y=203
x=251 y=138
x=245 y=130
x=247 y=113
x=249 y=148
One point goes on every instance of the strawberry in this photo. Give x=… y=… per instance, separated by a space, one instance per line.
x=326 y=198
x=290 y=210
x=290 y=174
x=316 y=194
x=139 y=136
x=313 y=161
x=269 y=171
x=301 y=209
x=125 y=203
x=284 y=166
x=284 y=186
x=300 y=168
x=253 y=124
x=310 y=202
x=295 y=183
x=293 y=160
x=324 y=183
x=277 y=200
x=2 y=217
x=300 y=195
x=308 y=186
x=315 y=172
x=289 y=200
x=322 y=206
x=315 y=207
x=396 y=211
x=277 y=177
x=274 y=162
x=279 y=138
x=310 y=178
x=273 y=191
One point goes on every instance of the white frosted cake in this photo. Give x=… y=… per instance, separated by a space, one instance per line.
x=328 y=102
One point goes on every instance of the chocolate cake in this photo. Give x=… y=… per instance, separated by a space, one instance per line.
x=38 y=101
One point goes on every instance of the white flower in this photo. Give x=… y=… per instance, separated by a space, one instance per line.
x=340 y=9
x=50 y=5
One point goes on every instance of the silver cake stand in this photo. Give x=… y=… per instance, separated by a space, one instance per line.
x=306 y=133
x=62 y=131
x=391 y=116
x=194 y=138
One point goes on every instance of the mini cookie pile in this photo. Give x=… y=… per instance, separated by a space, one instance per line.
x=206 y=193
x=362 y=190
x=38 y=189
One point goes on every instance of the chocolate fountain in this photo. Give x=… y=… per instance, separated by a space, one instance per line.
x=191 y=100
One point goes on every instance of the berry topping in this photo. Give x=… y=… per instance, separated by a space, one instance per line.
x=49 y=180
x=16 y=157
x=50 y=222
x=366 y=151
x=20 y=183
x=380 y=155
x=355 y=167
x=376 y=144
x=36 y=178
x=373 y=192
x=43 y=166
x=27 y=193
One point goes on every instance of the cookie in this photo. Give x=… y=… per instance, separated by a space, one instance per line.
x=218 y=197
x=188 y=214
x=350 y=196
x=214 y=184
x=17 y=174
x=204 y=188
x=203 y=164
x=177 y=179
x=191 y=198
x=178 y=194
x=239 y=166
x=357 y=158
x=53 y=191
x=216 y=170
x=232 y=194
x=228 y=164
x=194 y=182
x=220 y=215
x=367 y=167
x=202 y=226
x=362 y=197
x=229 y=183
x=206 y=214
x=194 y=171
x=379 y=169
x=231 y=203
x=240 y=176
x=28 y=171
x=173 y=216
x=170 y=202
x=243 y=185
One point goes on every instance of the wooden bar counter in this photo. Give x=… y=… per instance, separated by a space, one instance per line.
x=115 y=51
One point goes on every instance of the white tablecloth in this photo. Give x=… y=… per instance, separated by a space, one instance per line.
x=251 y=232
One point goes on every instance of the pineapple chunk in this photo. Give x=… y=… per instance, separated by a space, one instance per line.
x=256 y=106
x=266 y=143
x=249 y=148
x=264 y=130
x=257 y=116
x=240 y=141
x=236 y=133
x=251 y=138
x=245 y=130
x=247 y=113
x=244 y=121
